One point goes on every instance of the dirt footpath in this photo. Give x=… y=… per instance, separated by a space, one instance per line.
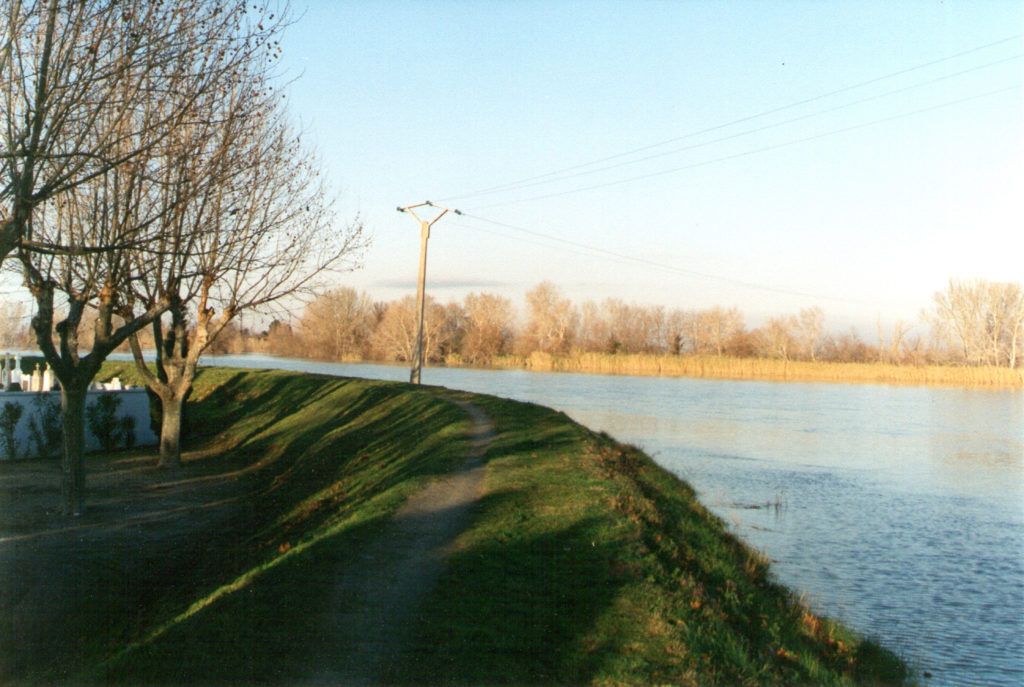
x=375 y=600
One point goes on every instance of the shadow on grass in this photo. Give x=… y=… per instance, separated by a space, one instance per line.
x=372 y=440
x=246 y=402
x=264 y=632
x=297 y=451
x=526 y=603
x=530 y=580
x=513 y=610
x=525 y=428
x=516 y=608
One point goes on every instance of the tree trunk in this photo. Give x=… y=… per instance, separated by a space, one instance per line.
x=176 y=370
x=9 y=235
x=1013 y=343
x=72 y=486
x=170 y=430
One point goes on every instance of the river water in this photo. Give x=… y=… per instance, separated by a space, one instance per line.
x=897 y=510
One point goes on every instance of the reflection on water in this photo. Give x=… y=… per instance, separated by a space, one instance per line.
x=901 y=509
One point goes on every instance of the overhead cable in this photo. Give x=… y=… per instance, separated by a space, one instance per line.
x=660 y=265
x=759 y=129
x=754 y=151
x=533 y=180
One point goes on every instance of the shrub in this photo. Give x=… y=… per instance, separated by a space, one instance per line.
x=103 y=421
x=126 y=431
x=9 y=417
x=44 y=427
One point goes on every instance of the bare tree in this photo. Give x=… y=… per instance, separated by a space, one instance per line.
x=395 y=336
x=77 y=248
x=1005 y=322
x=847 y=348
x=984 y=320
x=633 y=328
x=811 y=331
x=649 y=327
x=488 y=327
x=281 y=339
x=14 y=329
x=96 y=220
x=960 y=318
x=694 y=339
x=742 y=344
x=552 y=320
x=456 y=324
x=708 y=331
x=595 y=329
x=776 y=337
x=675 y=330
x=251 y=225
x=891 y=352
x=338 y=325
x=718 y=325
x=232 y=339
x=77 y=80
x=95 y=144
x=620 y=317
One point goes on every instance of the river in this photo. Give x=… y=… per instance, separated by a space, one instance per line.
x=897 y=510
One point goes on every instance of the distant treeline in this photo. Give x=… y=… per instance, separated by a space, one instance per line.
x=974 y=323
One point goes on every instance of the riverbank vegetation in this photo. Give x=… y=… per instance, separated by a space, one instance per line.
x=714 y=367
x=973 y=336
x=583 y=563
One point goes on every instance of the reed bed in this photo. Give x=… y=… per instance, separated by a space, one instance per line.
x=713 y=367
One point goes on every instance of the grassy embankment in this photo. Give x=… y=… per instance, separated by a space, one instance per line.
x=583 y=563
x=714 y=367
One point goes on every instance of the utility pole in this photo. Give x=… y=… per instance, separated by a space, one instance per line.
x=417 y=356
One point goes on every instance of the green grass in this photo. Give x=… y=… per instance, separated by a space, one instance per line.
x=584 y=563
x=325 y=460
x=588 y=564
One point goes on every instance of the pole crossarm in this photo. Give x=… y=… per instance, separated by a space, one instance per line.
x=417 y=358
x=427 y=203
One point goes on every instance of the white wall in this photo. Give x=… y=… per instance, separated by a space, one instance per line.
x=133 y=402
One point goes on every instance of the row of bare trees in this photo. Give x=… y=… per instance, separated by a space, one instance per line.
x=150 y=180
x=982 y=320
x=344 y=324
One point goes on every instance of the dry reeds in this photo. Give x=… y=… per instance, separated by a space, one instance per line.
x=713 y=367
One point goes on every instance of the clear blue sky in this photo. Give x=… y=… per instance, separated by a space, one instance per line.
x=768 y=155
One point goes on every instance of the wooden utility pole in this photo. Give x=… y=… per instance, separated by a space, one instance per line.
x=417 y=356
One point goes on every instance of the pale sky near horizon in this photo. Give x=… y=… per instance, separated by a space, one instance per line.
x=768 y=155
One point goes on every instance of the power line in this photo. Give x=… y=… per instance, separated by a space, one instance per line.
x=530 y=181
x=586 y=168
x=747 y=132
x=663 y=266
x=755 y=151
